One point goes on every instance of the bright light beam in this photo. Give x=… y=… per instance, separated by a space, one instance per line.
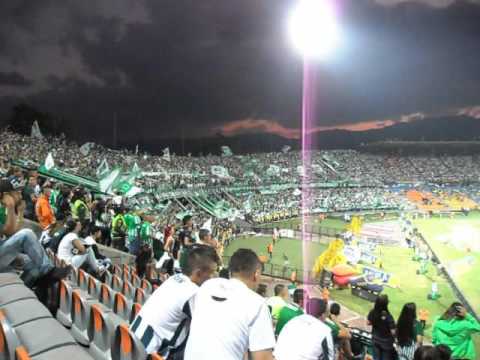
x=313 y=28
x=314 y=33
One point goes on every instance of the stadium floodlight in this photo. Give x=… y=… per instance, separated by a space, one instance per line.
x=313 y=28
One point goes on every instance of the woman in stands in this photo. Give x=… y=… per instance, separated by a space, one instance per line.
x=409 y=332
x=383 y=330
x=455 y=329
x=74 y=251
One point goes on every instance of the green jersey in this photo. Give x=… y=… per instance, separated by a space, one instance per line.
x=145 y=233
x=286 y=314
x=333 y=327
x=133 y=222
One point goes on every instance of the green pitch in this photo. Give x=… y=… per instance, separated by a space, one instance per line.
x=413 y=287
x=457 y=244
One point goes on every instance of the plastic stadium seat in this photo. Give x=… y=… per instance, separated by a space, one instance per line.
x=25 y=310
x=80 y=318
x=106 y=295
x=82 y=279
x=107 y=277
x=116 y=283
x=125 y=269
x=73 y=277
x=155 y=357
x=117 y=270
x=101 y=330
x=15 y=292
x=64 y=311
x=140 y=296
x=136 y=307
x=93 y=287
x=9 y=279
x=126 y=276
x=146 y=286
x=121 y=307
x=126 y=346
x=128 y=290
x=22 y=354
x=8 y=339
x=70 y=352
x=42 y=335
x=135 y=280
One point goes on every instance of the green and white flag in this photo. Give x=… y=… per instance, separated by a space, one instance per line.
x=226 y=151
x=166 y=154
x=103 y=169
x=219 y=171
x=49 y=163
x=106 y=183
x=136 y=172
x=85 y=148
x=36 y=133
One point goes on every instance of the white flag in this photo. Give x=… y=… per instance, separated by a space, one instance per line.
x=136 y=150
x=49 y=163
x=219 y=171
x=207 y=225
x=103 y=169
x=286 y=149
x=36 y=133
x=166 y=154
x=226 y=151
x=85 y=148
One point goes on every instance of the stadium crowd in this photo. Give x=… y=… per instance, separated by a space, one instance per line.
x=205 y=316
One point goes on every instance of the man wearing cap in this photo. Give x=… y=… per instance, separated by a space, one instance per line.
x=38 y=270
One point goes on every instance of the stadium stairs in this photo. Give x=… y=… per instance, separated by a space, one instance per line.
x=91 y=322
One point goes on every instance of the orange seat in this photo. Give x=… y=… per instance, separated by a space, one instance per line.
x=8 y=339
x=126 y=346
x=140 y=296
x=120 y=307
x=93 y=287
x=136 y=307
x=22 y=354
x=82 y=279
x=116 y=283
x=155 y=356
x=106 y=295
x=146 y=286
x=116 y=270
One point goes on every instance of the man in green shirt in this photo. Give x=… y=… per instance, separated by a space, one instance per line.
x=340 y=334
x=290 y=311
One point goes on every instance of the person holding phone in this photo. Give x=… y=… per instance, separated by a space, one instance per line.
x=455 y=329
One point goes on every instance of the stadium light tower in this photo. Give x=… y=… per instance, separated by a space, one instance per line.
x=314 y=33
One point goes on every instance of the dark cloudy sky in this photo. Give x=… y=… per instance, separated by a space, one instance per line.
x=164 y=67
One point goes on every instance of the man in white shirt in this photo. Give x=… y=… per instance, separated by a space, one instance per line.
x=306 y=337
x=162 y=324
x=229 y=318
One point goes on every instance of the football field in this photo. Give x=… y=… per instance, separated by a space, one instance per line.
x=457 y=244
x=409 y=287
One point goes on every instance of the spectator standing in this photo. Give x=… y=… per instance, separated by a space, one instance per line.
x=409 y=332
x=229 y=318
x=278 y=301
x=29 y=197
x=43 y=209
x=166 y=331
x=383 y=330
x=455 y=329
x=306 y=336
x=290 y=311
x=119 y=229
